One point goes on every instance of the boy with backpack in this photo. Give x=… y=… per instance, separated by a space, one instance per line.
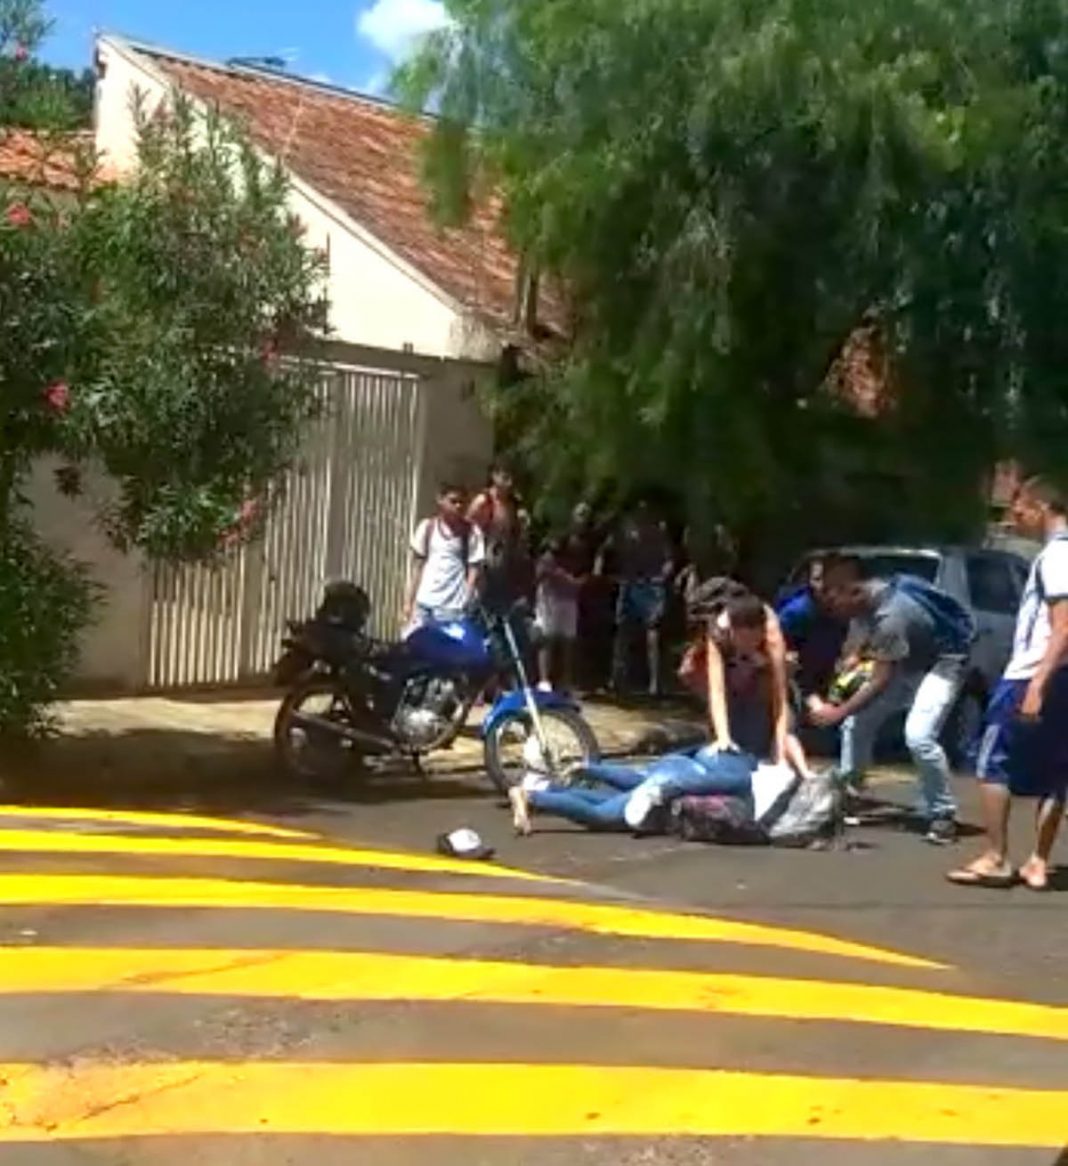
x=918 y=640
x=449 y=553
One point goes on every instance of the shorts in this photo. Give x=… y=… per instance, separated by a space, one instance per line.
x=642 y=602
x=557 y=616
x=1029 y=758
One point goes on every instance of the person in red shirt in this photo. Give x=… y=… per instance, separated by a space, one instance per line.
x=495 y=511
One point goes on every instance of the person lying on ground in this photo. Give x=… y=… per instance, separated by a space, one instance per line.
x=748 y=732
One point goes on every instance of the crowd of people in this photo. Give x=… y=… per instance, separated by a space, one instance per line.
x=840 y=652
x=608 y=591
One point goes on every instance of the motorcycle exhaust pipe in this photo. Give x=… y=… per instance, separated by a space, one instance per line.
x=347 y=732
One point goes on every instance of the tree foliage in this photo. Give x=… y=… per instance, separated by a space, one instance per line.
x=34 y=95
x=728 y=190
x=157 y=331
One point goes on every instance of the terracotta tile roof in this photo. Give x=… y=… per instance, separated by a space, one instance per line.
x=38 y=160
x=364 y=155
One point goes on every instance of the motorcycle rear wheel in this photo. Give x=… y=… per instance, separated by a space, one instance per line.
x=570 y=739
x=303 y=753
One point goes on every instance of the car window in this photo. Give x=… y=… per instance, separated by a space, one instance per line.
x=886 y=566
x=878 y=566
x=992 y=584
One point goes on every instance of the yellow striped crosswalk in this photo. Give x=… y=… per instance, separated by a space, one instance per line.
x=43 y=842
x=458 y=906
x=103 y=906
x=368 y=975
x=521 y=1100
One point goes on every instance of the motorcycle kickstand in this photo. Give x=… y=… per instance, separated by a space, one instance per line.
x=417 y=765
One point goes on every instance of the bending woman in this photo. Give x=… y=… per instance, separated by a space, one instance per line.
x=749 y=727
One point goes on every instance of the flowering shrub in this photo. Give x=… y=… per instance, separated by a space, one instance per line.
x=45 y=602
x=142 y=327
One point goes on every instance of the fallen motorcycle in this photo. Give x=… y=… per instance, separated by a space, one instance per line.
x=351 y=696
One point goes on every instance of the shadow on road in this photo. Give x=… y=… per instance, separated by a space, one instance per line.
x=164 y=769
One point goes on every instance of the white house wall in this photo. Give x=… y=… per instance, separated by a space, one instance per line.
x=112 y=649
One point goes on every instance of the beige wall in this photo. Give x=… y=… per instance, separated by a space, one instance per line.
x=113 y=649
x=458 y=440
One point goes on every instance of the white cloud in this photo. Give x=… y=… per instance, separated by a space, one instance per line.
x=394 y=27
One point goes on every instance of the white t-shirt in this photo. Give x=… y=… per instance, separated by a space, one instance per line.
x=1047 y=583
x=443 y=585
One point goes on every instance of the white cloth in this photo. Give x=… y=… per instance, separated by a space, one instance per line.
x=443 y=584
x=1047 y=583
x=770 y=784
x=557 y=615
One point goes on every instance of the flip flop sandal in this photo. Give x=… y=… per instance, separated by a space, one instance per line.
x=1031 y=885
x=968 y=876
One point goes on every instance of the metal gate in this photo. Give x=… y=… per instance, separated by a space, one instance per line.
x=347 y=512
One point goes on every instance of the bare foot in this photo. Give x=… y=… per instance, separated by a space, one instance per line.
x=1035 y=874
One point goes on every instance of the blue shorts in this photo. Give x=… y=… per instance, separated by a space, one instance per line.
x=642 y=602
x=1029 y=758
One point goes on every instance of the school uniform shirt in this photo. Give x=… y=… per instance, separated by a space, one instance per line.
x=443 y=585
x=1047 y=583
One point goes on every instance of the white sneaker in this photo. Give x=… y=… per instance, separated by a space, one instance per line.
x=544 y=686
x=517 y=798
x=641 y=804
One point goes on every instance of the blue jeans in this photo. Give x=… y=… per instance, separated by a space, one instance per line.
x=677 y=774
x=929 y=698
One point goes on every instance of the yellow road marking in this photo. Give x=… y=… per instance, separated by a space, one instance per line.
x=594 y=918
x=50 y=842
x=175 y=821
x=331 y=975
x=189 y=1098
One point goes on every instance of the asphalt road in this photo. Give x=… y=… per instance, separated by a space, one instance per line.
x=235 y=976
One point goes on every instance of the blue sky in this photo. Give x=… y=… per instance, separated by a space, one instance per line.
x=348 y=42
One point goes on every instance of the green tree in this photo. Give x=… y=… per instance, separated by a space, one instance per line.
x=157 y=330
x=727 y=191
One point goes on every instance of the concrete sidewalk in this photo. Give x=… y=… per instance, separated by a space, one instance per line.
x=146 y=742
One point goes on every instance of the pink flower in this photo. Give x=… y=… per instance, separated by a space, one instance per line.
x=249 y=512
x=269 y=353
x=21 y=53
x=57 y=397
x=19 y=215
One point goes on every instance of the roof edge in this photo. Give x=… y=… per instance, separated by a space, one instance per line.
x=149 y=49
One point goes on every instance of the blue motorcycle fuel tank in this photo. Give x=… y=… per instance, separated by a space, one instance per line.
x=455 y=646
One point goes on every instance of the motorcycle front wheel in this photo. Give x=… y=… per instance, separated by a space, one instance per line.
x=306 y=751
x=512 y=747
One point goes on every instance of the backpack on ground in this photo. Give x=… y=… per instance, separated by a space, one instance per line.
x=718 y=818
x=816 y=811
x=953 y=622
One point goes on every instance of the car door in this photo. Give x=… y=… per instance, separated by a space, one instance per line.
x=994 y=587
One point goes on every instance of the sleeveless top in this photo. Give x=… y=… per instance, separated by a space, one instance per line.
x=749 y=704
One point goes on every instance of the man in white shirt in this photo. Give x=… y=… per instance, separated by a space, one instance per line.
x=1025 y=743
x=449 y=553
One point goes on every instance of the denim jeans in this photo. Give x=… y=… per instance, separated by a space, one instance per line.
x=677 y=774
x=929 y=698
